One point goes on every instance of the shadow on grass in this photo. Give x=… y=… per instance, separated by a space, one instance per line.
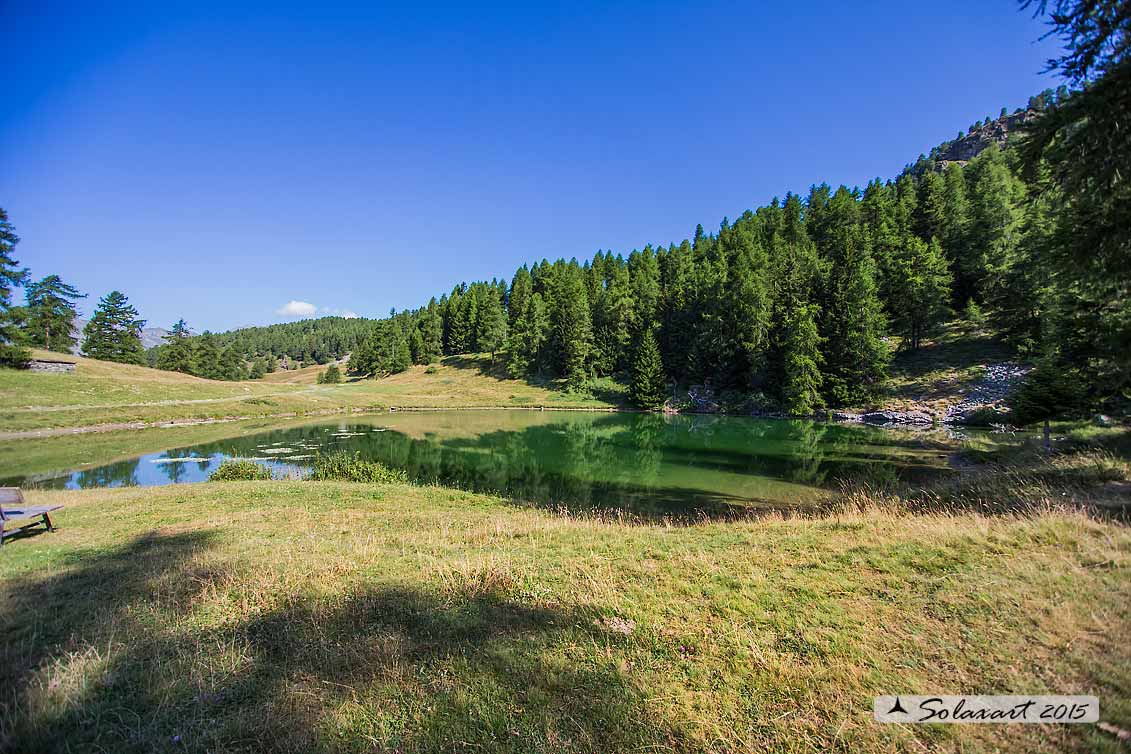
x=124 y=652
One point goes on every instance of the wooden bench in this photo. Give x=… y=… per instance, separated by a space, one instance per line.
x=12 y=508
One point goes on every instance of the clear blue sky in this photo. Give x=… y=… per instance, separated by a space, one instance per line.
x=216 y=160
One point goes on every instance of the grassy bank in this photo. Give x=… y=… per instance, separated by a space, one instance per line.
x=340 y=617
x=105 y=393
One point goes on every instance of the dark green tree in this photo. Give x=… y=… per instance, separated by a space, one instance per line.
x=206 y=358
x=1081 y=140
x=51 y=314
x=178 y=353
x=114 y=331
x=802 y=379
x=11 y=276
x=920 y=290
x=852 y=322
x=648 y=387
x=570 y=328
x=491 y=324
x=432 y=334
x=231 y=365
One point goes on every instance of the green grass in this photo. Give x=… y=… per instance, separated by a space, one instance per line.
x=102 y=393
x=330 y=616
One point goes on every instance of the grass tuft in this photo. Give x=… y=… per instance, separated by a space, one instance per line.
x=346 y=467
x=235 y=470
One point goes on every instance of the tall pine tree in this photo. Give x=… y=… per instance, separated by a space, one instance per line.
x=51 y=314
x=114 y=331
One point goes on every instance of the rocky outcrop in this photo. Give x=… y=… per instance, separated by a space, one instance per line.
x=921 y=418
x=994 y=132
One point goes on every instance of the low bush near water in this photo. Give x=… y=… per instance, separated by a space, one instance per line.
x=345 y=467
x=237 y=471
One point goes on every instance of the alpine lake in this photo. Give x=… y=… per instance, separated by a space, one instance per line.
x=646 y=464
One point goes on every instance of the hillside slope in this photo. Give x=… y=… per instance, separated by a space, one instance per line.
x=104 y=393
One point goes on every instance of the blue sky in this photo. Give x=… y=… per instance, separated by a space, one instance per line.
x=218 y=160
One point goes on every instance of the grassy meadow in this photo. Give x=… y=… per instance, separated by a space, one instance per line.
x=328 y=616
x=105 y=393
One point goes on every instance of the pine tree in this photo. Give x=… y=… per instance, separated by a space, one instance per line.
x=852 y=323
x=11 y=276
x=644 y=277
x=921 y=290
x=114 y=331
x=331 y=376
x=613 y=315
x=802 y=380
x=231 y=365
x=995 y=212
x=648 y=386
x=206 y=358
x=432 y=334
x=258 y=369
x=747 y=306
x=526 y=342
x=491 y=326
x=416 y=345
x=51 y=314
x=571 y=330
x=177 y=354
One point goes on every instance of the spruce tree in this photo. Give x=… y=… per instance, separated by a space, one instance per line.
x=231 y=365
x=613 y=316
x=852 y=323
x=206 y=358
x=748 y=305
x=432 y=334
x=177 y=354
x=802 y=380
x=920 y=291
x=491 y=325
x=648 y=385
x=51 y=314
x=11 y=276
x=995 y=217
x=571 y=330
x=526 y=342
x=114 y=331
x=332 y=375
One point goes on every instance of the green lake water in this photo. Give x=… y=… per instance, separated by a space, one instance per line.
x=646 y=463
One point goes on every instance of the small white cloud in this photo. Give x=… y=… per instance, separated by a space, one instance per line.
x=348 y=314
x=297 y=309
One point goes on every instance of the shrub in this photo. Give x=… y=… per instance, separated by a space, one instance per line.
x=431 y=369
x=344 y=467
x=235 y=470
x=14 y=356
x=986 y=416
